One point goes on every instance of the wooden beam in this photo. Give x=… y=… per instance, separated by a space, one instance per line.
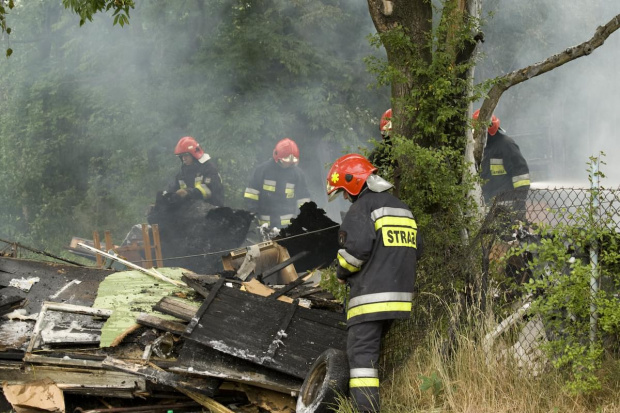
x=146 y=241
x=157 y=242
x=149 y=271
x=108 y=241
x=177 y=308
x=97 y=245
x=160 y=324
x=204 y=306
x=282 y=265
x=155 y=374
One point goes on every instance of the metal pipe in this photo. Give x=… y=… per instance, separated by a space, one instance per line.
x=594 y=287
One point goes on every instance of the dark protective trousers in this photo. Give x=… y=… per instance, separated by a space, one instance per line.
x=363 y=350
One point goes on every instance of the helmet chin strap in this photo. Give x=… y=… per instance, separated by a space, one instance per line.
x=377 y=184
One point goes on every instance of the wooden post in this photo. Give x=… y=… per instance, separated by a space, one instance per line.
x=108 y=241
x=98 y=246
x=157 y=242
x=147 y=246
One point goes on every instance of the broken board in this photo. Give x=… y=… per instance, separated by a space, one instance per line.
x=196 y=359
x=272 y=333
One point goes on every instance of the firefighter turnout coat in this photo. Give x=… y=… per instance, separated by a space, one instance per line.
x=202 y=180
x=380 y=244
x=504 y=168
x=276 y=193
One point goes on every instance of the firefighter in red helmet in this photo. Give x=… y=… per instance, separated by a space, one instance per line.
x=380 y=155
x=380 y=245
x=504 y=170
x=198 y=177
x=277 y=188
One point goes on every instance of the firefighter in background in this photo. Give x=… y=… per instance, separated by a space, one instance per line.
x=198 y=178
x=380 y=155
x=278 y=187
x=380 y=245
x=504 y=170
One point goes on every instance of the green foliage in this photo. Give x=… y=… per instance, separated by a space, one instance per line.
x=86 y=9
x=330 y=283
x=90 y=115
x=565 y=296
x=433 y=384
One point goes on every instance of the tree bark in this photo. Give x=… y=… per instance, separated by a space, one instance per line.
x=505 y=82
x=415 y=18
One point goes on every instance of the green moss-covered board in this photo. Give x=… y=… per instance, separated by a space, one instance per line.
x=130 y=293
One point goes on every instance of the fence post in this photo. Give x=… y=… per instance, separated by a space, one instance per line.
x=594 y=275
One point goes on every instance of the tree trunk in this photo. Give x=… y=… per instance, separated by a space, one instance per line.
x=415 y=19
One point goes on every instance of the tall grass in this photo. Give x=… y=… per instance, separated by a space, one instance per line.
x=470 y=380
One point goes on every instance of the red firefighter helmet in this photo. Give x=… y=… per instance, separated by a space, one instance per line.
x=385 y=126
x=494 y=123
x=348 y=173
x=286 y=152
x=189 y=145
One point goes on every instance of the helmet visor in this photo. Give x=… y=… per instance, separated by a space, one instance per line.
x=333 y=193
x=289 y=160
x=385 y=131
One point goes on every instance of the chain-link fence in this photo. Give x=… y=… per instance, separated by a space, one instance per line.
x=542 y=263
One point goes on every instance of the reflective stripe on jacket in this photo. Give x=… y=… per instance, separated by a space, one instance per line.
x=380 y=245
x=275 y=193
x=503 y=167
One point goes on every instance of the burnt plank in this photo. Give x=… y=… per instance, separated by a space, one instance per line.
x=53 y=277
x=287 y=288
x=177 y=308
x=271 y=271
x=282 y=331
x=10 y=297
x=330 y=318
x=205 y=305
x=245 y=325
x=160 y=324
x=206 y=386
x=196 y=359
x=234 y=318
x=80 y=380
x=196 y=285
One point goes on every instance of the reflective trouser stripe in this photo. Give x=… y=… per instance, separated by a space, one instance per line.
x=379 y=298
x=286 y=219
x=264 y=219
x=364 y=382
x=379 y=308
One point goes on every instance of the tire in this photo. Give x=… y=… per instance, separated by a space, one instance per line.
x=327 y=379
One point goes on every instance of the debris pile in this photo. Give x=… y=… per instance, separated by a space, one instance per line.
x=220 y=340
x=192 y=231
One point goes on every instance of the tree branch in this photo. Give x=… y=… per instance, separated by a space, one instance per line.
x=505 y=82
